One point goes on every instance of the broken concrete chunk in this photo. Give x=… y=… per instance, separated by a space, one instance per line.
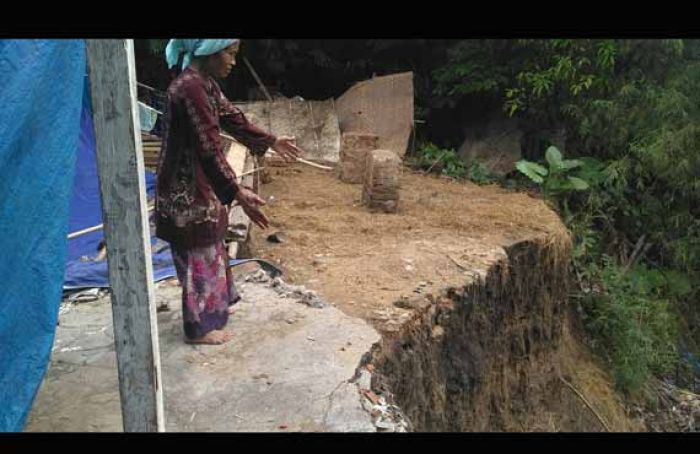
x=412 y=302
x=369 y=394
x=384 y=426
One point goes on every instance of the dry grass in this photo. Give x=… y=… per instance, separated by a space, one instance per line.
x=364 y=260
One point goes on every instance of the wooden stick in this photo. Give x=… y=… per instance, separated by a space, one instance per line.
x=313 y=164
x=257 y=79
x=85 y=231
x=304 y=161
x=94 y=228
x=464 y=268
x=635 y=251
x=150 y=88
x=583 y=399
x=258 y=169
x=442 y=155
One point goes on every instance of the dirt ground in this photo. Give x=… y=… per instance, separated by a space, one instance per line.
x=364 y=261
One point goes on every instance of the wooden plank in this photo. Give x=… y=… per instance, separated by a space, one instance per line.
x=240 y=161
x=124 y=211
x=236 y=157
x=238 y=221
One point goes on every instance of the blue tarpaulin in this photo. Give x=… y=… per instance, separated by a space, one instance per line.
x=82 y=270
x=41 y=93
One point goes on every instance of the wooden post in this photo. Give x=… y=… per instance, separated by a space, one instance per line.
x=124 y=211
x=257 y=79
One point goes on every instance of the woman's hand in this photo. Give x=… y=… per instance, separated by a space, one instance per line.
x=251 y=203
x=286 y=147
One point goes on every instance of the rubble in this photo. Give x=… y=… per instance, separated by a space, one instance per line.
x=385 y=417
x=299 y=293
x=677 y=410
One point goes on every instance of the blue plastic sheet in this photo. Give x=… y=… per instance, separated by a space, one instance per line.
x=82 y=269
x=41 y=93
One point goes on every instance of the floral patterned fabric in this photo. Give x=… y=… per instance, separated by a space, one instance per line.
x=195 y=184
x=208 y=288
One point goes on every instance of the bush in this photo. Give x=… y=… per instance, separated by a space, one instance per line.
x=448 y=162
x=632 y=322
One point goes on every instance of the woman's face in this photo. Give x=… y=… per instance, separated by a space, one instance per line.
x=223 y=61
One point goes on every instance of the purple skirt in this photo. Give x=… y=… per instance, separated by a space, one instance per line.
x=207 y=287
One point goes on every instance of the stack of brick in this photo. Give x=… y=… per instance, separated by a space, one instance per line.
x=381 y=180
x=353 y=154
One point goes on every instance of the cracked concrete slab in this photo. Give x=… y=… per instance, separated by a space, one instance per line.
x=288 y=368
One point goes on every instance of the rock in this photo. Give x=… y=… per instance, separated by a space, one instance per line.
x=277 y=282
x=311 y=299
x=259 y=276
x=384 y=426
x=277 y=237
x=412 y=302
x=354 y=149
x=437 y=332
x=382 y=180
x=369 y=394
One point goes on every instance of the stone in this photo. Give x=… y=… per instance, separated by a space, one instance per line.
x=382 y=180
x=277 y=237
x=353 y=152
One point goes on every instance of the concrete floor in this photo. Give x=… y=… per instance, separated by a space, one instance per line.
x=288 y=368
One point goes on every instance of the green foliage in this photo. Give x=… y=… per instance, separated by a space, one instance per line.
x=632 y=322
x=632 y=108
x=557 y=179
x=480 y=174
x=532 y=170
x=448 y=162
x=470 y=68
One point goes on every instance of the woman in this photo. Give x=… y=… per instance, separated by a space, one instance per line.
x=195 y=184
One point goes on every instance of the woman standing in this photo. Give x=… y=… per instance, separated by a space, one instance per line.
x=195 y=184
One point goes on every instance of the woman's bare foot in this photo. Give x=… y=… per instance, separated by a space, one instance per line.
x=231 y=310
x=215 y=337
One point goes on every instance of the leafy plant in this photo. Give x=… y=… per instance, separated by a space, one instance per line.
x=446 y=161
x=556 y=178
